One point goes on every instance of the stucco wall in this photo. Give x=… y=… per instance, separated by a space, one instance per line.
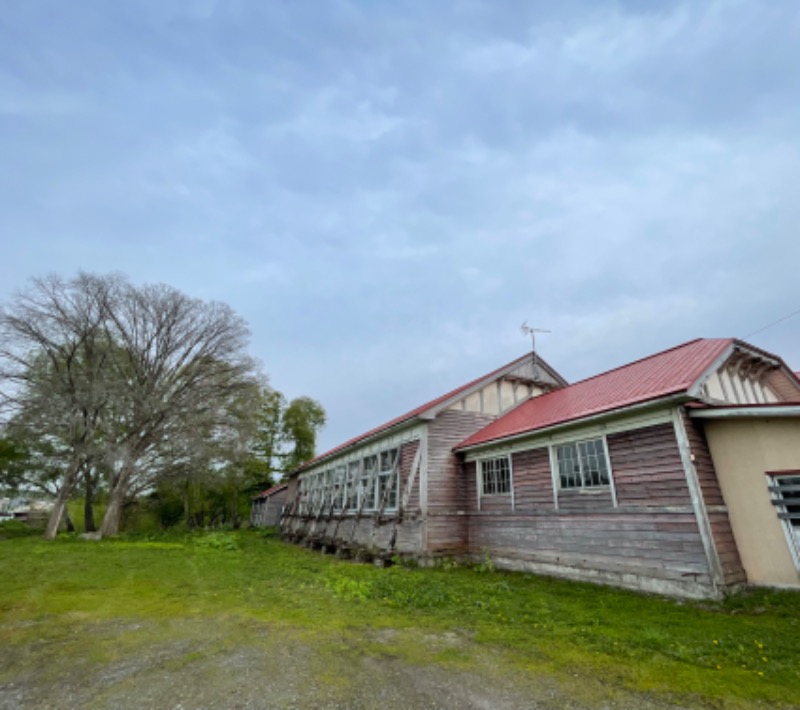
x=743 y=450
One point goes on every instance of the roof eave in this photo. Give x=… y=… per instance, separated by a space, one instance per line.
x=747 y=412
x=399 y=426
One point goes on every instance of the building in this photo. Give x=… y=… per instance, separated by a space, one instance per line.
x=674 y=474
x=268 y=506
x=397 y=488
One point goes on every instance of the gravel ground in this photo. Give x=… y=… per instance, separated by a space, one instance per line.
x=128 y=665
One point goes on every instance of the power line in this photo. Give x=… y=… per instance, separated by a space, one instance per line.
x=780 y=320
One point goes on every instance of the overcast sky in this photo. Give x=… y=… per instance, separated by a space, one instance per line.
x=386 y=190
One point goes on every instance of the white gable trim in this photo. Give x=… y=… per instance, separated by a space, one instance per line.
x=478 y=386
x=694 y=388
x=714 y=367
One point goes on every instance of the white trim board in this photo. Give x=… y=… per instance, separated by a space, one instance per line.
x=573 y=433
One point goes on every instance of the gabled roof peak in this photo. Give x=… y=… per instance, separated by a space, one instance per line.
x=670 y=372
x=432 y=407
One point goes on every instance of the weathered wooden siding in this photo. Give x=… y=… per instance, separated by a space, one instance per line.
x=267 y=511
x=783 y=385
x=703 y=463
x=367 y=531
x=655 y=549
x=533 y=482
x=407 y=453
x=647 y=468
x=650 y=541
x=732 y=570
x=446 y=523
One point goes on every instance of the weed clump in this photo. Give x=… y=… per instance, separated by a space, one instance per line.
x=217 y=541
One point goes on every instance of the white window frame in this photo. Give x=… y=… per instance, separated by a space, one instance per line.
x=790 y=530
x=370 y=465
x=352 y=486
x=388 y=460
x=596 y=489
x=339 y=476
x=355 y=485
x=480 y=478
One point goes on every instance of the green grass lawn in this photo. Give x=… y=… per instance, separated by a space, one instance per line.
x=743 y=652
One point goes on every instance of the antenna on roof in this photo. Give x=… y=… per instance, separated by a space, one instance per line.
x=528 y=330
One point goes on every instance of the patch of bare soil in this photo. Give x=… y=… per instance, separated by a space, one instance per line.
x=227 y=665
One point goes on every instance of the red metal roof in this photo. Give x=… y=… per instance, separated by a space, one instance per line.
x=666 y=373
x=422 y=409
x=270 y=491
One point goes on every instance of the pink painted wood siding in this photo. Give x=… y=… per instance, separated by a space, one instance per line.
x=533 y=483
x=653 y=533
x=447 y=486
x=647 y=468
x=721 y=530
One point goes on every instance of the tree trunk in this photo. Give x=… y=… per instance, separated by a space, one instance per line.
x=187 y=516
x=113 y=516
x=61 y=500
x=70 y=524
x=55 y=517
x=58 y=511
x=88 y=508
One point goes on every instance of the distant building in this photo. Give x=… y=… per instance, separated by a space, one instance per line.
x=268 y=505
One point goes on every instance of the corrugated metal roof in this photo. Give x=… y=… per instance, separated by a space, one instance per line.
x=422 y=409
x=270 y=491
x=669 y=372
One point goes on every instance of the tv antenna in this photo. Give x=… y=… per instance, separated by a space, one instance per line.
x=528 y=330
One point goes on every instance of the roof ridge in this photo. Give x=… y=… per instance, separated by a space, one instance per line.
x=646 y=379
x=739 y=341
x=422 y=408
x=647 y=357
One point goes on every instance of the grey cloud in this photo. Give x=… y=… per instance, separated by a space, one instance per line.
x=386 y=192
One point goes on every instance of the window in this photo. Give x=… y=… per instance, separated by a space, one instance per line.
x=386 y=493
x=326 y=484
x=365 y=484
x=495 y=476
x=338 y=488
x=353 y=476
x=319 y=493
x=368 y=474
x=785 y=490
x=582 y=464
x=312 y=494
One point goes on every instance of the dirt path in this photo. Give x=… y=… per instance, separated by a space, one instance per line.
x=223 y=664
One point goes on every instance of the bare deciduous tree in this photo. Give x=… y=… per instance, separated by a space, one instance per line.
x=52 y=361
x=184 y=365
x=125 y=375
